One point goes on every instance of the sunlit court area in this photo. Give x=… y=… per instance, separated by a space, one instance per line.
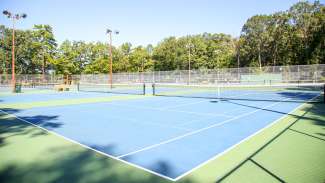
x=114 y=96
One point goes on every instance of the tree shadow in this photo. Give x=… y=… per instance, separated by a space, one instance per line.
x=313 y=113
x=43 y=121
x=108 y=149
x=321 y=134
x=11 y=125
x=316 y=120
x=292 y=97
x=75 y=164
x=301 y=97
x=163 y=168
x=318 y=113
x=71 y=163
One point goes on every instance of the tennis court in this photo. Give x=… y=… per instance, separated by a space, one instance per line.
x=167 y=136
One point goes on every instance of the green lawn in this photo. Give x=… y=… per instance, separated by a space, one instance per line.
x=296 y=154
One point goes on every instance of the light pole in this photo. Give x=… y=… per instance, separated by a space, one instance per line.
x=43 y=65
x=149 y=50
x=4 y=71
x=189 y=46
x=142 y=69
x=13 y=17
x=237 y=47
x=218 y=66
x=109 y=32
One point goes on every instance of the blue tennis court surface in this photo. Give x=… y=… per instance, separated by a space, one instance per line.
x=167 y=136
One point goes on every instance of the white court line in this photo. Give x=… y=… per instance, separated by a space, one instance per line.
x=191 y=103
x=197 y=131
x=87 y=147
x=128 y=163
x=234 y=110
x=193 y=121
x=237 y=108
x=240 y=108
x=158 y=109
x=189 y=122
x=203 y=100
x=176 y=126
x=242 y=141
x=202 y=113
x=150 y=123
x=180 y=105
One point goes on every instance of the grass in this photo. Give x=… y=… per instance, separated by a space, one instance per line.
x=296 y=154
x=75 y=101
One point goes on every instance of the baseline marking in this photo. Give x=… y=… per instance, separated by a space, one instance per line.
x=242 y=141
x=87 y=147
x=158 y=109
x=180 y=105
x=152 y=124
x=196 y=131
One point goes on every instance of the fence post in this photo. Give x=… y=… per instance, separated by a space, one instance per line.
x=153 y=89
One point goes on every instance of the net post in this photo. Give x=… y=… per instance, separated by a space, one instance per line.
x=324 y=93
x=218 y=93
x=78 y=86
x=144 y=88
x=153 y=89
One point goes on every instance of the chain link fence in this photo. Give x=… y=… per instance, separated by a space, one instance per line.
x=281 y=74
x=247 y=75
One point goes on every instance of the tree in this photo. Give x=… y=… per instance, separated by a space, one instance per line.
x=256 y=37
x=44 y=46
x=292 y=37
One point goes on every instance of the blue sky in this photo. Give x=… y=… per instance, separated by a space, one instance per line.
x=139 y=21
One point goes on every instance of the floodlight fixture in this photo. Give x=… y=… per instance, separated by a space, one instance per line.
x=13 y=17
x=109 y=32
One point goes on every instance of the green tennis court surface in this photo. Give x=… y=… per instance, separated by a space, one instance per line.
x=289 y=150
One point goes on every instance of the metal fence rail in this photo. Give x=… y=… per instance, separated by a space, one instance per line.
x=247 y=75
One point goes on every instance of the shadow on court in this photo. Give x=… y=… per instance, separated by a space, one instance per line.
x=314 y=119
x=318 y=113
x=63 y=161
x=73 y=164
x=307 y=128
x=292 y=97
x=11 y=126
x=47 y=158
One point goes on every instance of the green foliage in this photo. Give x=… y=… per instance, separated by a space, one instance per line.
x=292 y=37
x=43 y=45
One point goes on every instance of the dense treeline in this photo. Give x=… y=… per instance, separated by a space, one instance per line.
x=295 y=36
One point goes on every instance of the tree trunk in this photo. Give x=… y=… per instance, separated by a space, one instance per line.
x=274 y=56
x=259 y=57
x=238 y=64
x=43 y=68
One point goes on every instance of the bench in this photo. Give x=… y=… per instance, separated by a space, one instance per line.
x=61 y=87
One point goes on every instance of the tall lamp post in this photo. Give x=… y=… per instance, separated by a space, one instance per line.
x=43 y=65
x=4 y=71
x=189 y=46
x=109 y=32
x=13 y=17
x=218 y=66
x=142 y=70
x=149 y=50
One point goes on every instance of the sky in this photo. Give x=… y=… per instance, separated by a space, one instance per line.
x=140 y=22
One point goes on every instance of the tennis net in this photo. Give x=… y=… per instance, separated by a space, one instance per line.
x=41 y=86
x=29 y=86
x=294 y=92
x=135 y=89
